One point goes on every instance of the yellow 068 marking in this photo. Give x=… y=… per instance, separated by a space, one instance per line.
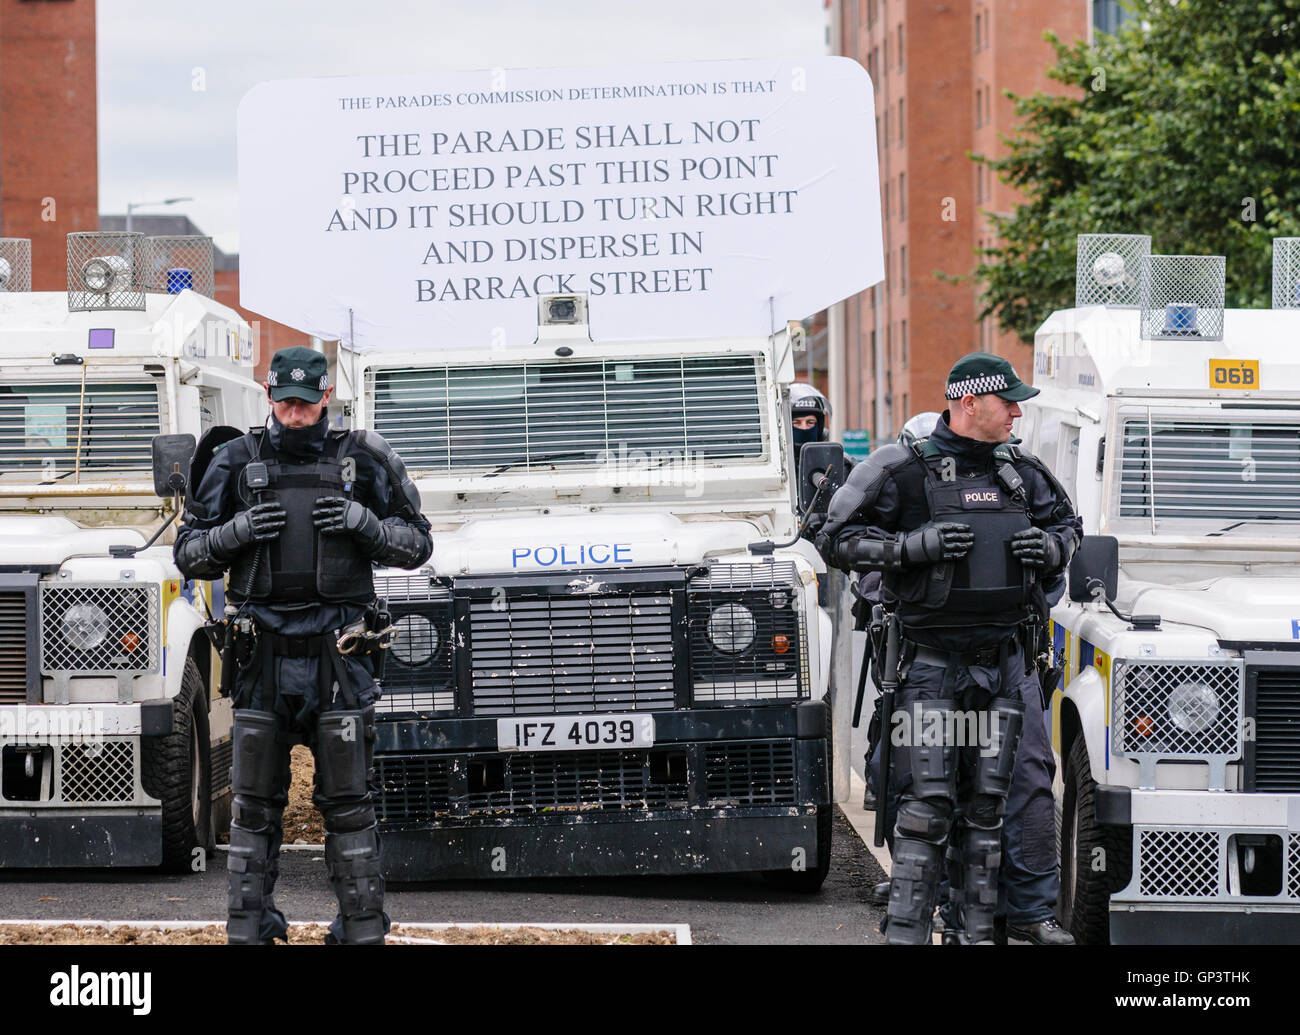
x=1234 y=373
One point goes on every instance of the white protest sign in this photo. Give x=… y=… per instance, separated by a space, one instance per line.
x=687 y=200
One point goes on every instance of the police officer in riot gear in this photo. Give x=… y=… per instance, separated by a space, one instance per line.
x=964 y=529
x=299 y=512
x=810 y=416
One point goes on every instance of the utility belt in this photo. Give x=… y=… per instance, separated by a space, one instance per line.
x=245 y=644
x=1028 y=638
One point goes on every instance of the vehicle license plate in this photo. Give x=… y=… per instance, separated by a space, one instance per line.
x=575 y=732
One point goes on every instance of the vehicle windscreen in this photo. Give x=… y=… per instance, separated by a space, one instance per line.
x=1209 y=473
x=567 y=415
x=56 y=432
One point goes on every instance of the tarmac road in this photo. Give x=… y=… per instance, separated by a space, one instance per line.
x=720 y=909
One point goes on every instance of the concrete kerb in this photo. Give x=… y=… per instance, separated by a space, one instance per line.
x=681 y=932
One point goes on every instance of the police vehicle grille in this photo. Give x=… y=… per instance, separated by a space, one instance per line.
x=1141 y=719
x=578 y=782
x=1277 y=730
x=415 y=788
x=114 y=629
x=223 y=757
x=748 y=634
x=13 y=648
x=1293 y=867
x=634 y=413
x=412 y=788
x=535 y=654
x=98 y=772
x=1178 y=863
x=761 y=773
x=419 y=675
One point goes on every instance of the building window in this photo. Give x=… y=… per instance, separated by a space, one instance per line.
x=902 y=269
x=886 y=127
x=871 y=13
x=885 y=56
x=907 y=409
x=900 y=121
x=887 y=209
x=902 y=195
x=873 y=351
x=1108 y=15
x=900 y=47
x=978 y=41
x=979 y=108
x=902 y=344
x=875 y=54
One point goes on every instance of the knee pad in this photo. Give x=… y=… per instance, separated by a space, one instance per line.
x=257 y=768
x=343 y=753
x=345 y=819
x=924 y=819
x=997 y=759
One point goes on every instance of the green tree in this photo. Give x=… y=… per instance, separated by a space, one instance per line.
x=1185 y=125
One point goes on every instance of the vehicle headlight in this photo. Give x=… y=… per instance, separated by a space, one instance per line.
x=1193 y=706
x=416 y=640
x=731 y=628
x=85 y=626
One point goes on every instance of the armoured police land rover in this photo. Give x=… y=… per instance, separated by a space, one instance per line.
x=615 y=661
x=114 y=750
x=1173 y=423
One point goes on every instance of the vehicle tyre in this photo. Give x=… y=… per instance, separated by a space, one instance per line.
x=1086 y=887
x=177 y=769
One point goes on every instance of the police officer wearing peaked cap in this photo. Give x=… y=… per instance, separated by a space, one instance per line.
x=966 y=530
x=299 y=512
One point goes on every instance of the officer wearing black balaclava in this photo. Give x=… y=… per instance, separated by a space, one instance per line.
x=965 y=529
x=810 y=417
x=299 y=512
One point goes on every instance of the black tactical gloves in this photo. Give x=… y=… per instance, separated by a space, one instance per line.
x=937 y=542
x=1035 y=548
x=258 y=524
x=334 y=515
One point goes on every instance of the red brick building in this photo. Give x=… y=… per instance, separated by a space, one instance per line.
x=940 y=69
x=49 y=150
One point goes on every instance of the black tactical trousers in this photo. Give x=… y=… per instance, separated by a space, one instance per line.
x=280 y=701
x=955 y=734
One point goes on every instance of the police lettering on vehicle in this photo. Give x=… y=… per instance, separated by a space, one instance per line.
x=565 y=554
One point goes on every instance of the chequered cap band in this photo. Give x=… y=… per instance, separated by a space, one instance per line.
x=976 y=386
x=273 y=381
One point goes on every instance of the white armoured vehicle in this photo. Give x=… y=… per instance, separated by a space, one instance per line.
x=114 y=750
x=1175 y=424
x=597 y=674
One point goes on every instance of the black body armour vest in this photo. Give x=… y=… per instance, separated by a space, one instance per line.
x=301 y=565
x=987 y=587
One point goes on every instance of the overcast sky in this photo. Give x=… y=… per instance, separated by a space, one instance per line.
x=171 y=75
